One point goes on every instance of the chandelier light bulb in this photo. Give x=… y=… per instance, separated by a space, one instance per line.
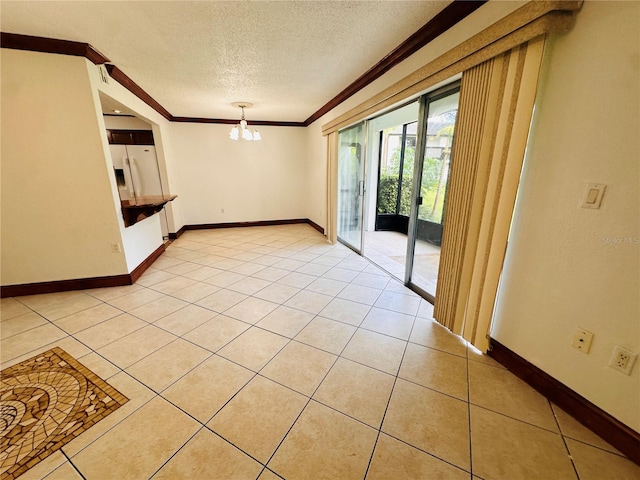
x=241 y=130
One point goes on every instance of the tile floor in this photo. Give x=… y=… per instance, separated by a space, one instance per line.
x=268 y=353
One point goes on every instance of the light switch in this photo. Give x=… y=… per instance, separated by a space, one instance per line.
x=593 y=195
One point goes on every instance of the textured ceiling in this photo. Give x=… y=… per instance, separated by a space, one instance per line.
x=288 y=58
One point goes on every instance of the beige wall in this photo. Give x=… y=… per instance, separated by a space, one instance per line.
x=564 y=268
x=58 y=213
x=250 y=181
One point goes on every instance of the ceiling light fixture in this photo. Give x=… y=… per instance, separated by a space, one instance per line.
x=241 y=130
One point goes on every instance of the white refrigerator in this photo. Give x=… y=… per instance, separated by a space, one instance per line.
x=137 y=174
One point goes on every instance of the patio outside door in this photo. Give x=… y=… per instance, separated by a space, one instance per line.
x=430 y=188
x=351 y=162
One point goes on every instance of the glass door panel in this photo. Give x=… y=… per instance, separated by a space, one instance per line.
x=432 y=190
x=351 y=185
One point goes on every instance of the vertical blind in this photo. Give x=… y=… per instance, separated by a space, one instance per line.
x=496 y=106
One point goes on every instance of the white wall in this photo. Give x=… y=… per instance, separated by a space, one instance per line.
x=59 y=217
x=221 y=180
x=561 y=271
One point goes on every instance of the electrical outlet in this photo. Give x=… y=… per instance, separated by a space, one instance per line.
x=115 y=248
x=582 y=340
x=622 y=359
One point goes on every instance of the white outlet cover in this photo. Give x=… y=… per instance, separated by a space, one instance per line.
x=619 y=351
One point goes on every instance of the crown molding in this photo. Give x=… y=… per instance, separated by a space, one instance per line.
x=447 y=18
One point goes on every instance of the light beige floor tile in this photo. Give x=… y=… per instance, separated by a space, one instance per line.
x=298 y=280
x=26 y=342
x=501 y=391
x=205 y=389
x=173 y=284
x=128 y=386
x=277 y=293
x=354 y=262
x=185 y=320
x=326 y=334
x=299 y=367
x=187 y=266
x=109 y=293
x=155 y=310
x=133 y=300
x=64 y=472
x=135 y=346
x=431 y=334
x=341 y=274
x=251 y=310
x=394 y=459
x=45 y=467
x=248 y=268
x=153 y=277
x=21 y=323
x=506 y=448
x=285 y=321
x=99 y=365
x=254 y=348
x=436 y=370
x=307 y=301
x=87 y=318
x=326 y=260
x=249 y=285
x=224 y=279
x=68 y=344
x=158 y=429
x=10 y=307
x=361 y=294
x=327 y=286
x=168 y=364
x=165 y=261
x=356 y=390
x=371 y=280
x=110 y=330
x=572 y=428
x=375 y=350
x=39 y=302
x=430 y=421
x=271 y=274
x=202 y=273
x=313 y=268
x=425 y=310
x=268 y=475
x=477 y=356
x=221 y=300
x=73 y=305
x=398 y=302
x=289 y=264
x=207 y=456
x=398 y=287
x=389 y=323
x=324 y=444
x=258 y=417
x=195 y=292
x=216 y=333
x=345 y=311
x=595 y=464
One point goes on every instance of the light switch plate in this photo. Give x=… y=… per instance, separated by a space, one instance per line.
x=593 y=194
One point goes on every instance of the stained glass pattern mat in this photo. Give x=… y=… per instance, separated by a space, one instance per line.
x=45 y=402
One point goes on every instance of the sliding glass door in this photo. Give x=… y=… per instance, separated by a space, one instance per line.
x=351 y=171
x=438 y=117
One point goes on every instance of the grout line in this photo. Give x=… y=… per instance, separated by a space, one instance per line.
x=564 y=441
x=71 y=463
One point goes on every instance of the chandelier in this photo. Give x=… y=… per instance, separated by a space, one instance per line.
x=241 y=130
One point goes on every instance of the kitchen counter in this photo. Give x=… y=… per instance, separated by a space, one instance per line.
x=139 y=208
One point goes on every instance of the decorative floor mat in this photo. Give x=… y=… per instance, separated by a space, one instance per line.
x=45 y=402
